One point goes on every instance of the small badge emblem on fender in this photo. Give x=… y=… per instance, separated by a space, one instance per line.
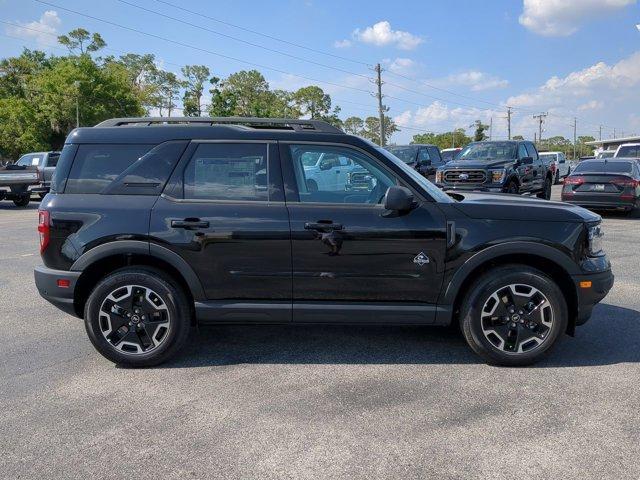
x=421 y=259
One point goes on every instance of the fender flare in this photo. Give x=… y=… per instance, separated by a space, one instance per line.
x=508 y=248
x=120 y=247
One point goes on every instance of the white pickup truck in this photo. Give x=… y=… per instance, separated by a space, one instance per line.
x=628 y=150
x=558 y=163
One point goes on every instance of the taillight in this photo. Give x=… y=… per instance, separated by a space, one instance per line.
x=574 y=180
x=44 y=229
x=625 y=182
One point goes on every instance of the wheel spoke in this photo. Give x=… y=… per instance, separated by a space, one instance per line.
x=134 y=319
x=517 y=318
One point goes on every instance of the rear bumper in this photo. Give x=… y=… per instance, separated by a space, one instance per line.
x=604 y=201
x=588 y=297
x=47 y=284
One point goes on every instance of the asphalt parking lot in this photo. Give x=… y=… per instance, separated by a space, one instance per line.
x=315 y=402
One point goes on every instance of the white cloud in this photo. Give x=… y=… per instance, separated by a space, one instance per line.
x=591 y=105
x=438 y=116
x=342 y=43
x=381 y=34
x=400 y=65
x=476 y=81
x=39 y=30
x=560 y=18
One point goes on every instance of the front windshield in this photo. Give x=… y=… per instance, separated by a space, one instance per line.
x=406 y=154
x=595 y=166
x=606 y=154
x=629 y=151
x=449 y=155
x=492 y=150
x=437 y=194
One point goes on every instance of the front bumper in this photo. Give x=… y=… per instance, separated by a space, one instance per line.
x=589 y=296
x=47 y=284
x=472 y=188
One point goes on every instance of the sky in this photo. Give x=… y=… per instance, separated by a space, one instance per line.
x=445 y=63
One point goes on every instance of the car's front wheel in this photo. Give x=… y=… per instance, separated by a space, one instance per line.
x=546 y=192
x=22 y=201
x=137 y=317
x=513 y=315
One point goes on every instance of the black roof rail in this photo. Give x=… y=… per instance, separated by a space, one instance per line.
x=319 y=126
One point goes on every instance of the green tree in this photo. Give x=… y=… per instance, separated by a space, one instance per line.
x=166 y=87
x=141 y=71
x=455 y=138
x=195 y=77
x=480 y=129
x=517 y=137
x=371 y=129
x=313 y=102
x=243 y=94
x=81 y=41
x=283 y=105
x=353 y=125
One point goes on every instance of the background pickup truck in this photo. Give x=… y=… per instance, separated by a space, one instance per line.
x=15 y=181
x=45 y=163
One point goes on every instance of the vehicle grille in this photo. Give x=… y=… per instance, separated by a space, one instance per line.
x=458 y=176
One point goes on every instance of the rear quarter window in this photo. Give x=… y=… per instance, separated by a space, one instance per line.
x=96 y=166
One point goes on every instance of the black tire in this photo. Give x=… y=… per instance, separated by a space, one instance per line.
x=174 y=299
x=312 y=186
x=512 y=188
x=22 y=201
x=474 y=326
x=546 y=192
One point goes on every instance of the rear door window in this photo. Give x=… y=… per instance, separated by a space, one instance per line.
x=96 y=166
x=228 y=171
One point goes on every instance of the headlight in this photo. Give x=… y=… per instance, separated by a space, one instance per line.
x=497 y=176
x=439 y=176
x=594 y=245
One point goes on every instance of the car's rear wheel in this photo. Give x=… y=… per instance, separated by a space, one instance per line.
x=22 y=201
x=513 y=315
x=546 y=192
x=137 y=317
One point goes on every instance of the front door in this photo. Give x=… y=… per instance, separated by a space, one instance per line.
x=347 y=249
x=223 y=211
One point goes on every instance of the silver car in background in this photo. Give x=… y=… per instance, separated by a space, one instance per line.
x=558 y=164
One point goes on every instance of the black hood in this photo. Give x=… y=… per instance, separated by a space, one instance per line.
x=502 y=206
x=480 y=163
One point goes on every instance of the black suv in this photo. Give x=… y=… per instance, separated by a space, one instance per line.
x=498 y=166
x=155 y=225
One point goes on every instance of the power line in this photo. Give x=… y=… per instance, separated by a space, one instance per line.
x=204 y=50
x=273 y=50
x=264 y=35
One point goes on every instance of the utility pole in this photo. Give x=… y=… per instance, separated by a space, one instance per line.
x=491 y=129
x=540 y=117
x=614 y=132
x=575 y=126
x=77 y=85
x=380 y=107
x=600 y=137
x=509 y=123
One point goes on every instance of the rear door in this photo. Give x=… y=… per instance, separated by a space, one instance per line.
x=223 y=211
x=348 y=250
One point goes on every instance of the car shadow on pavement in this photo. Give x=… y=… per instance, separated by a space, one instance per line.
x=612 y=336
x=609 y=214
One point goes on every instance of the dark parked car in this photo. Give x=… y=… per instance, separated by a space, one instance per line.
x=425 y=159
x=45 y=163
x=152 y=227
x=612 y=183
x=498 y=166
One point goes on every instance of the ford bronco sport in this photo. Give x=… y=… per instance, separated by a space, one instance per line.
x=154 y=225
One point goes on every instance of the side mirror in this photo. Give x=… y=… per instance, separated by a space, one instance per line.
x=526 y=161
x=399 y=199
x=424 y=163
x=325 y=165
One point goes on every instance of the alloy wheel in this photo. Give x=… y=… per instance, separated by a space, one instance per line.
x=134 y=319
x=517 y=318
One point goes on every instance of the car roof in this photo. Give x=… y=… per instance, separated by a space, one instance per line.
x=413 y=145
x=629 y=145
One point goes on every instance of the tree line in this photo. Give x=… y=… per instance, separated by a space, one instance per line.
x=43 y=97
